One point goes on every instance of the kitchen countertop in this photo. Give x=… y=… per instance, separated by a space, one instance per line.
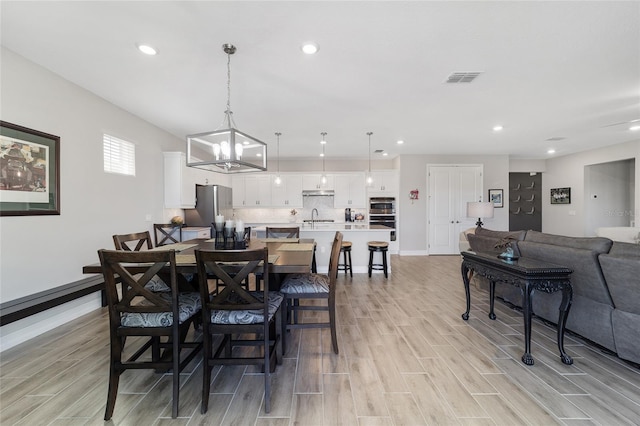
x=328 y=226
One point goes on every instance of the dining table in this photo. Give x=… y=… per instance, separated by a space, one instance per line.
x=286 y=256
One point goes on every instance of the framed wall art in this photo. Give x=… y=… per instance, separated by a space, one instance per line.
x=29 y=171
x=560 y=195
x=496 y=197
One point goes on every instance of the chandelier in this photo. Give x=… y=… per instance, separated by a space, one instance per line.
x=226 y=149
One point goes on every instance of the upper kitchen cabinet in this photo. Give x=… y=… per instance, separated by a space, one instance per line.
x=288 y=193
x=385 y=182
x=251 y=191
x=180 y=181
x=312 y=182
x=349 y=190
x=179 y=184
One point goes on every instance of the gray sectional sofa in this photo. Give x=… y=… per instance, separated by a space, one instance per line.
x=605 y=281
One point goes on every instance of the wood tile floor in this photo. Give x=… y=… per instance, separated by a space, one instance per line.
x=406 y=358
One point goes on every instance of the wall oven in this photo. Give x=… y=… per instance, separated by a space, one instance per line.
x=382 y=211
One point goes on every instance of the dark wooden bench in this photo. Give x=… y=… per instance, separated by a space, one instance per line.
x=23 y=307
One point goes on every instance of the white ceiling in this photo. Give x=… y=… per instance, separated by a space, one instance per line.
x=549 y=69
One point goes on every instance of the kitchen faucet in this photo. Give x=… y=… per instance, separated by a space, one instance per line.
x=313 y=221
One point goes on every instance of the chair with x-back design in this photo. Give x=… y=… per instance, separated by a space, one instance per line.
x=243 y=318
x=167 y=233
x=162 y=320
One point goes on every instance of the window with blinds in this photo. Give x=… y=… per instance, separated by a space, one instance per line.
x=119 y=156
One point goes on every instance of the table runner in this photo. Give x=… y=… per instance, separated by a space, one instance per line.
x=190 y=259
x=176 y=247
x=296 y=247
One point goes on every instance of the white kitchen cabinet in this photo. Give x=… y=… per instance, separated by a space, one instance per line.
x=314 y=182
x=251 y=191
x=350 y=190
x=385 y=182
x=288 y=193
x=179 y=187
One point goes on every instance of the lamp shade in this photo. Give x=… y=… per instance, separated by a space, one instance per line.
x=480 y=209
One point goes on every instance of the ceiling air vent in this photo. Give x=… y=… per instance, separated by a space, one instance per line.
x=462 y=77
x=555 y=138
x=378 y=151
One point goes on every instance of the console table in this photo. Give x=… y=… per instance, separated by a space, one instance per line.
x=528 y=275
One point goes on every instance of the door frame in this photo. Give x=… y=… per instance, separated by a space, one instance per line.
x=428 y=195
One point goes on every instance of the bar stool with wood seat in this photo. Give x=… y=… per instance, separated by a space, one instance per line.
x=345 y=249
x=382 y=247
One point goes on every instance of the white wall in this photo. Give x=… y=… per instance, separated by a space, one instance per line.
x=413 y=213
x=609 y=198
x=42 y=252
x=568 y=171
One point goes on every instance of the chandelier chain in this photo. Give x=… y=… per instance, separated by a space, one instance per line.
x=369 y=134
x=278 y=150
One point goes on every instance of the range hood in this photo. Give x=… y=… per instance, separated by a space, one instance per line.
x=318 y=193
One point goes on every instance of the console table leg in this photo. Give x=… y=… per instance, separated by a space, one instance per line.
x=467 y=292
x=567 y=294
x=526 y=313
x=492 y=293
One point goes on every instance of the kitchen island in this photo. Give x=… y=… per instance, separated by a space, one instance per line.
x=358 y=233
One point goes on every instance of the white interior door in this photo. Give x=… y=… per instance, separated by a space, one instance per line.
x=450 y=188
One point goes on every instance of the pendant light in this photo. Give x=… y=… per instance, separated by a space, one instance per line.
x=323 y=142
x=278 y=181
x=226 y=149
x=369 y=177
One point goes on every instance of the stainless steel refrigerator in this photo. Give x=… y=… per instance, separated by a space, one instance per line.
x=211 y=200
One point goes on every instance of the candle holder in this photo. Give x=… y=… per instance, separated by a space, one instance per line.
x=219 y=235
x=240 y=242
x=229 y=238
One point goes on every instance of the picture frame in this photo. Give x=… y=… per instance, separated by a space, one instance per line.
x=496 y=196
x=29 y=171
x=560 y=195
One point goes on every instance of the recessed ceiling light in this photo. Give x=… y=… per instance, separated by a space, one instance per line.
x=322 y=154
x=497 y=128
x=551 y=151
x=384 y=154
x=147 y=50
x=634 y=128
x=310 y=48
x=400 y=142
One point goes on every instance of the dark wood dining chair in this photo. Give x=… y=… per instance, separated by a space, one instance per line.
x=162 y=320
x=283 y=232
x=167 y=233
x=238 y=315
x=133 y=242
x=298 y=287
x=140 y=241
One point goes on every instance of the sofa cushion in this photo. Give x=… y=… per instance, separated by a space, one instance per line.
x=625 y=250
x=621 y=274
x=514 y=235
x=490 y=241
x=483 y=244
x=625 y=332
x=597 y=244
x=587 y=279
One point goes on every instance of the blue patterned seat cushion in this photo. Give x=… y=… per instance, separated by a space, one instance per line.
x=248 y=316
x=156 y=284
x=305 y=283
x=188 y=305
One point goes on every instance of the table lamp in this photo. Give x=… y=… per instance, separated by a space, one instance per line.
x=481 y=210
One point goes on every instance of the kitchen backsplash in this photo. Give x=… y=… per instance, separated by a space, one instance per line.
x=279 y=215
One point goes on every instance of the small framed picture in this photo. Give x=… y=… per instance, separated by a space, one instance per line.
x=496 y=197
x=560 y=195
